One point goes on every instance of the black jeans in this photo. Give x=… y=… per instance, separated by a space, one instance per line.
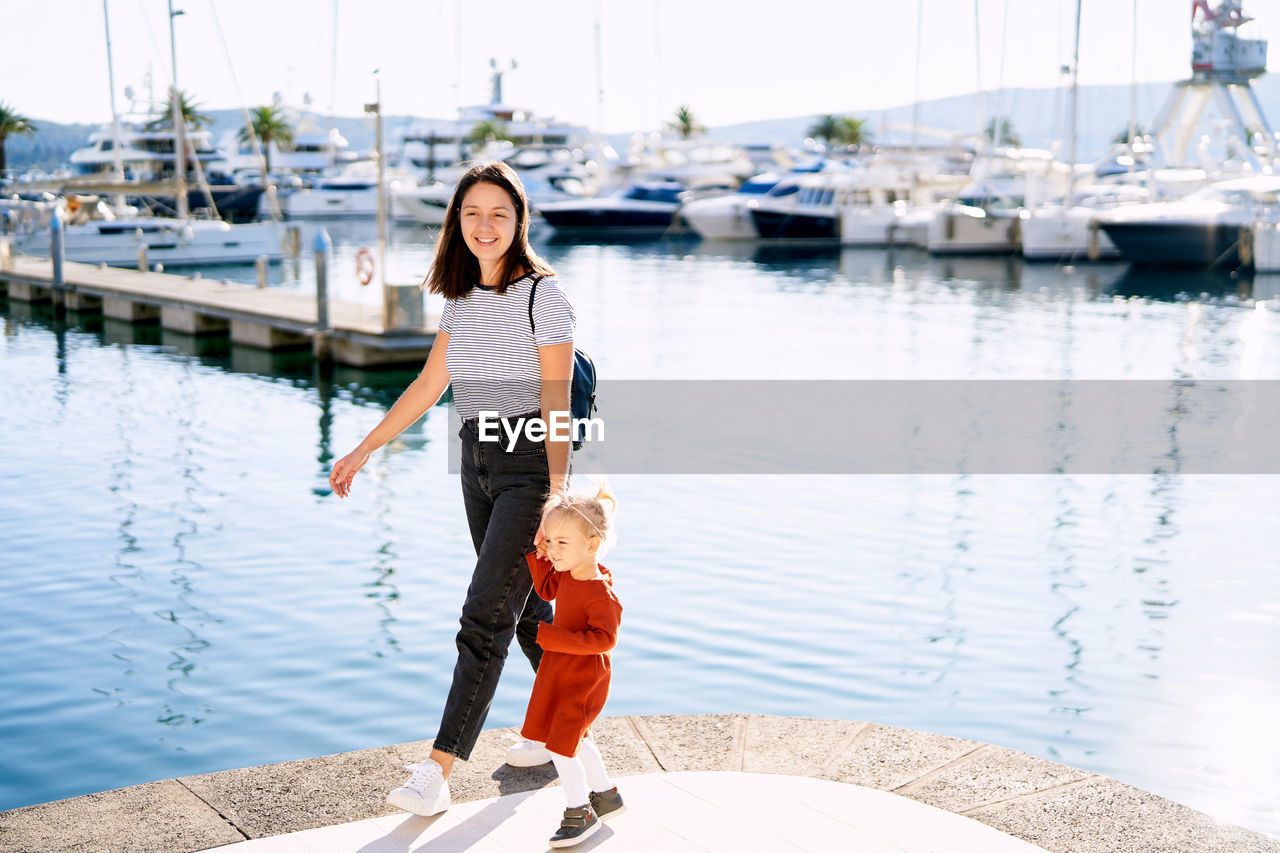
x=503 y=492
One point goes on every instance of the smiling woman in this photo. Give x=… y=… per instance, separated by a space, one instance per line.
x=498 y=362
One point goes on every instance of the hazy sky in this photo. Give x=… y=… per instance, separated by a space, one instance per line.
x=730 y=61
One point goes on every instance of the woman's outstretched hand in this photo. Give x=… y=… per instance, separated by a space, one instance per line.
x=344 y=470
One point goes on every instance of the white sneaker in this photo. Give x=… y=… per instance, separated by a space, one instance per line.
x=528 y=753
x=427 y=791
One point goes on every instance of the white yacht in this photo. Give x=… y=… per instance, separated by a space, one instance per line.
x=548 y=174
x=1058 y=231
x=96 y=233
x=986 y=216
x=313 y=151
x=895 y=202
x=728 y=217
x=1213 y=226
x=429 y=146
x=349 y=194
x=147 y=155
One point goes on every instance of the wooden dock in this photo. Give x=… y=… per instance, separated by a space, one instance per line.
x=265 y=318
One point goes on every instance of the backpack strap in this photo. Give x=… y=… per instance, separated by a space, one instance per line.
x=532 y=291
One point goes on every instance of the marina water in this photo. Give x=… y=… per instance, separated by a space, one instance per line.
x=180 y=593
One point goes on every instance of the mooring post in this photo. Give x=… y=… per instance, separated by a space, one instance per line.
x=57 y=254
x=143 y=266
x=322 y=349
x=262 y=264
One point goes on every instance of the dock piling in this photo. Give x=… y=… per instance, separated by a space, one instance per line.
x=57 y=254
x=322 y=345
x=262 y=265
x=143 y=266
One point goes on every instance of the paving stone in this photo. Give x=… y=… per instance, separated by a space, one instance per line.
x=795 y=746
x=1106 y=816
x=296 y=795
x=887 y=758
x=158 y=817
x=703 y=742
x=486 y=774
x=989 y=775
x=624 y=751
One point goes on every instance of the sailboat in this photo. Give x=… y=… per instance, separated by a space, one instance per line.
x=117 y=235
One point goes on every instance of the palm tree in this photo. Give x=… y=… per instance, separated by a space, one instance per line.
x=852 y=131
x=826 y=128
x=269 y=125
x=191 y=115
x=192 y=119
x=1122 y=136
x=488 y=131
x=685 y=123
x=12 y=122
x=1008 y=136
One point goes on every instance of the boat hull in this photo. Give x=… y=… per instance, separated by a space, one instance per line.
x=1058 y=238
x=730 y=220
x=1177 y=244
x=607 y=219
x=239 y=244
x=996 y=233
x=796 y=225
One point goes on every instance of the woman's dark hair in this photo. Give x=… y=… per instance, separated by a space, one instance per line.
x=455 y=270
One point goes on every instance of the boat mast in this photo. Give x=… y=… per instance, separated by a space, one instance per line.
x=333 y=93
x=915 y=99
x=1071 y=155
x=115 y=115
x=1133 y=90
x=179 y=129
x=977 y=50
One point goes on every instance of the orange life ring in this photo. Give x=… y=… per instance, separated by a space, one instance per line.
x=364 y=265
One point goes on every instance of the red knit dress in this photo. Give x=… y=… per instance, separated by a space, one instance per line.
x=572 y=684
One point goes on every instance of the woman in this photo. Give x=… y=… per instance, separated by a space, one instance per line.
x=496 y=361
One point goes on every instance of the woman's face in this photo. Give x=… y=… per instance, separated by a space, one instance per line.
x=488 y=222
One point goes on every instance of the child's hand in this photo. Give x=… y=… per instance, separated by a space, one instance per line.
x=540 y=543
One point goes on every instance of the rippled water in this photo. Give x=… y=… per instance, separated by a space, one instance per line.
x=179 y=593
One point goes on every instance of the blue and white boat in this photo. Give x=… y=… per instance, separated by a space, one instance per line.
x=637 y=208
x=728 y=217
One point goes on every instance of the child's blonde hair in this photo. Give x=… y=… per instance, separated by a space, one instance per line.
x=589 y=514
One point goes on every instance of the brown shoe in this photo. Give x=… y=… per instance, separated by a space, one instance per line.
x=578 y=824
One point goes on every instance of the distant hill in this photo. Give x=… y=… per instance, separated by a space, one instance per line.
x=1038 y=116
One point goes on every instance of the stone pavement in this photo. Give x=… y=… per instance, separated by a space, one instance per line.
x=1056 y=807
x=681 y=812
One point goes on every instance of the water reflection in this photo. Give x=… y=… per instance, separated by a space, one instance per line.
x=1177 y=285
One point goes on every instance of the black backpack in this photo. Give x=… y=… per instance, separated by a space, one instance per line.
x=582 y=391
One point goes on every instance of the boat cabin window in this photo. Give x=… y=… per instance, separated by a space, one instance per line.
x=783 y=190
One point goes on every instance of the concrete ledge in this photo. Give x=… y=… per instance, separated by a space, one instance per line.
x=1057 y=807
x=83 y=303
x=192 y=322
x=129 y=311
x=25 y=291
x=263 y=336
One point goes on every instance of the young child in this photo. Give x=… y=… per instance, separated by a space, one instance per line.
x=573 y=679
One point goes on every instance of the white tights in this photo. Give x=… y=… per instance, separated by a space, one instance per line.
x=580 y=771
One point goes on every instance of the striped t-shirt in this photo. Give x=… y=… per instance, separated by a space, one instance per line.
x=493 y=356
